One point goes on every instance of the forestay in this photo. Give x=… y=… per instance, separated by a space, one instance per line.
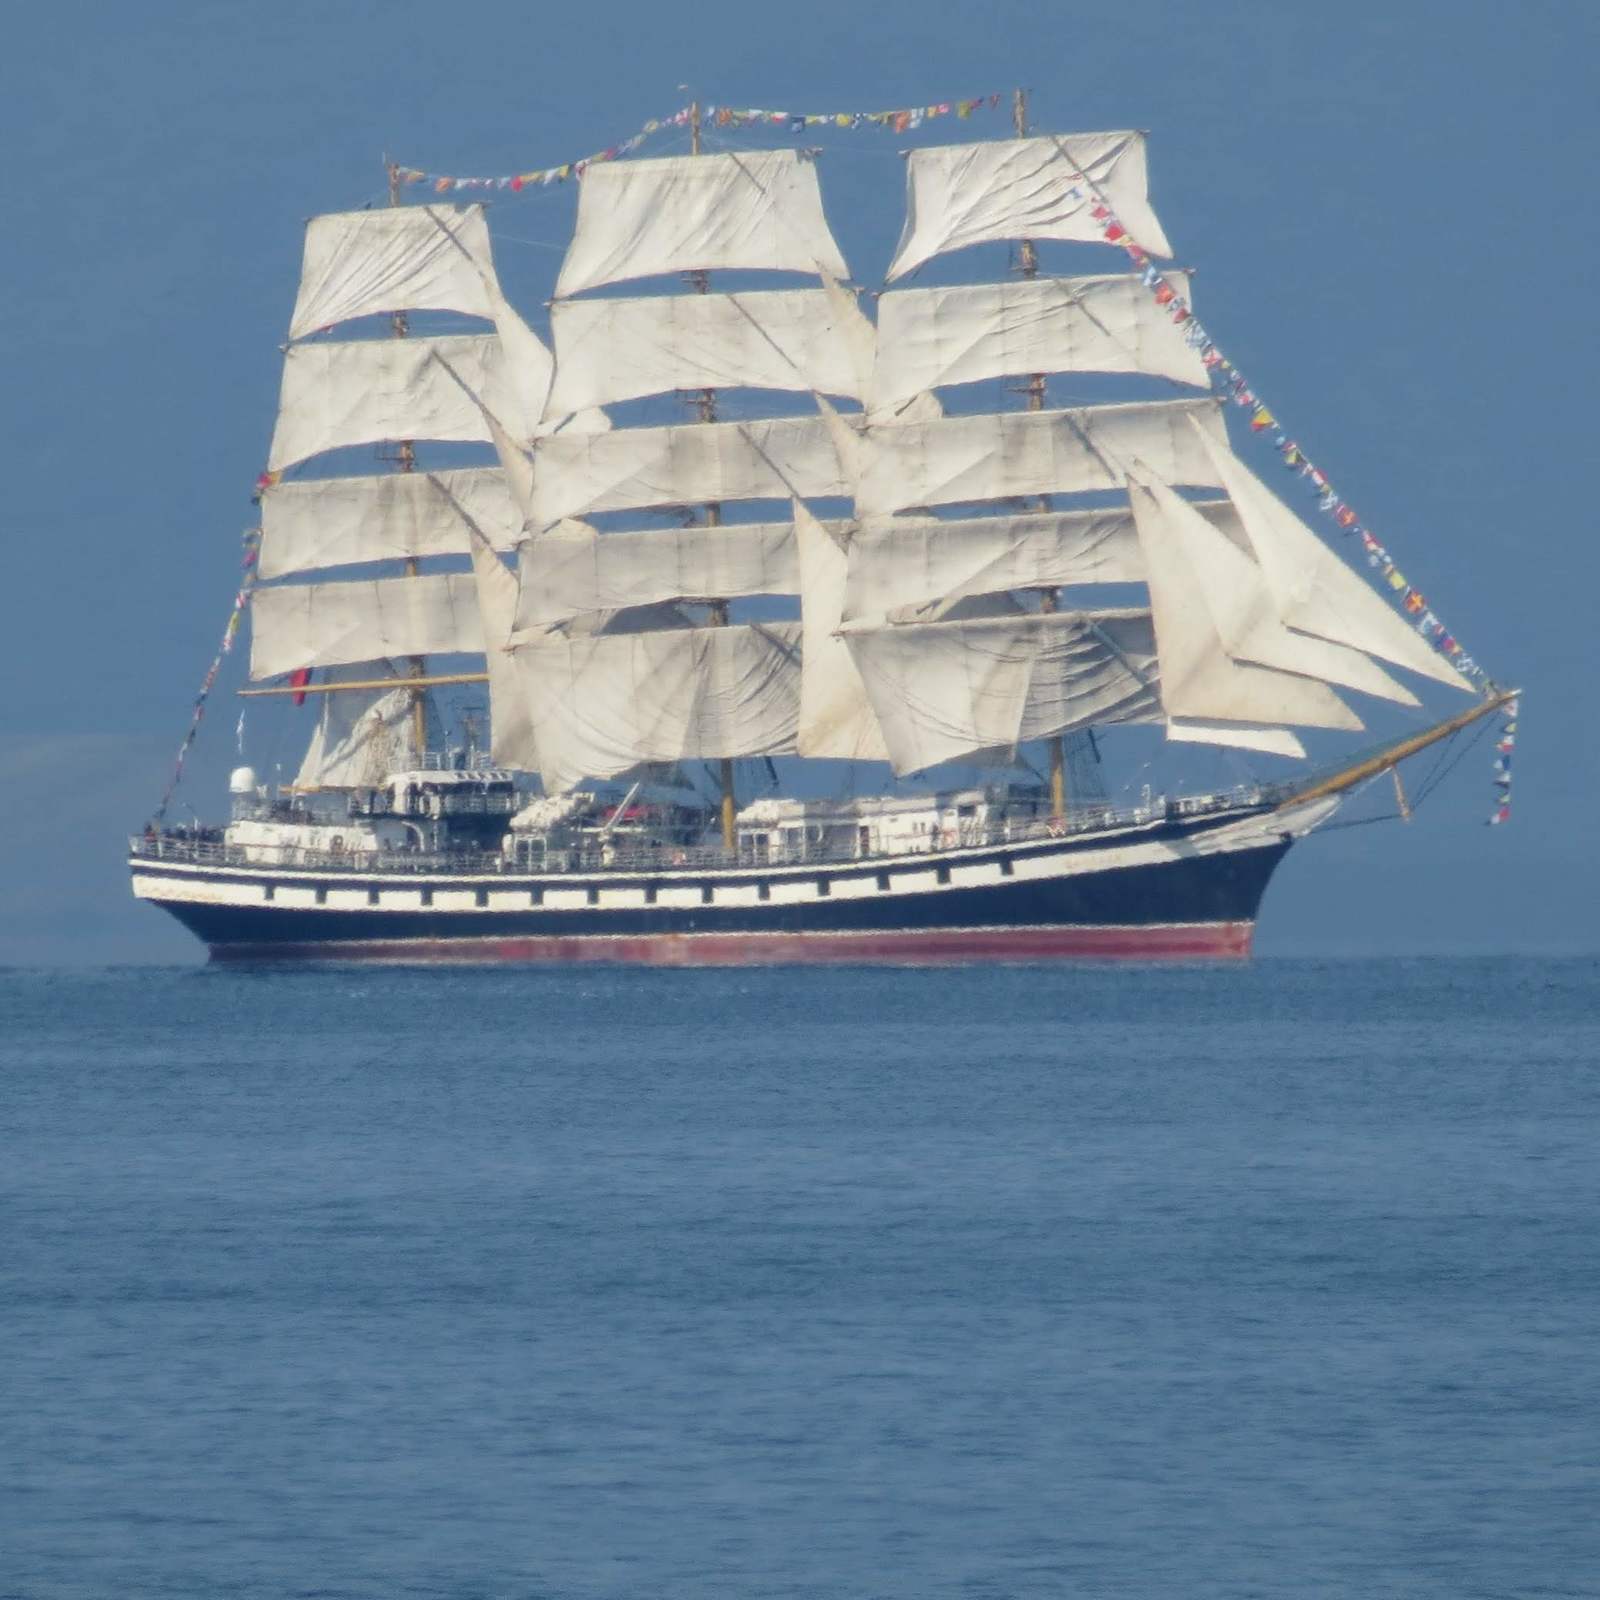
x=970 y=332
x=685 y=464
x=897 y=563
x=836 y=717
x=613 y=350
x=406 y=258
x=964 y=194
x=1005 y=454
x=1313 y=590
x=333 y=624
x=571 y=569
x=602 y=703
x=944 y=690
x=1200 y=679
x=758 y=210
x=331 y=522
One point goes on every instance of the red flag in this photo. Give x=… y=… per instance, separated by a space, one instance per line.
x=299 y=678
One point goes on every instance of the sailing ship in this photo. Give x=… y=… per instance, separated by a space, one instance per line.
x=836 y=561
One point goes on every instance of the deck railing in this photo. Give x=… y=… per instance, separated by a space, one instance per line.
x=620 y=853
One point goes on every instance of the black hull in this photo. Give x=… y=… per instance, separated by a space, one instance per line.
x=1180 y=891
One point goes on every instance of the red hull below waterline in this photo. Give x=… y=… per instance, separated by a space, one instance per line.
x=1211 y=941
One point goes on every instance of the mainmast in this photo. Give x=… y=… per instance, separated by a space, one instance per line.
x=707 y=406
x=406 y=460
x=619 y=672
x=1049 y=598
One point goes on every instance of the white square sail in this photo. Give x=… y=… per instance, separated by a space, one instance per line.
x=741 y=210
x=964 y=194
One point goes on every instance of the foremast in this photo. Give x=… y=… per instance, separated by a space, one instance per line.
x=706 y=405
x=1049 y=596
x=1251 y=625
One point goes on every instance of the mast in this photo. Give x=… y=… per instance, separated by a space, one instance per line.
x=707 y=406
x=407 y=462
x=628 y=640
x=1049 y=598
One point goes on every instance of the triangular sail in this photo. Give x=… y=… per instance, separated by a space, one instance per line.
x=836 y=716
x=362 y=735
x=1200 y=680
x=1314 y=591
x=1230 y=588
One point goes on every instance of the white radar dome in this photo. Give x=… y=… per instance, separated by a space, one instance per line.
x=242 y=780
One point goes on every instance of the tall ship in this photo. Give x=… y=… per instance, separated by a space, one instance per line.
x=750 y=617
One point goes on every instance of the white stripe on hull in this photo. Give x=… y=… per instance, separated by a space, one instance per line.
x=732 y=886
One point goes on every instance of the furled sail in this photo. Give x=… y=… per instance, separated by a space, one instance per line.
x=969 y=332
x=684 y=464
x=1238 y=735
x=897 y=563
x=571 y=569
x=406 y=258
x=1013 y=453
x=614 y=350
x=836 y=717
x=944 y=690
x=333 y=522
x=963 y=194
x=362 y=735
x=1200 y=679
x=1314 y=591
x=363 y=391
x=333 y=624
x=602 y=703
x=757 y=210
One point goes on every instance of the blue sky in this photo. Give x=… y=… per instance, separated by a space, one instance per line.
x=1390 y=210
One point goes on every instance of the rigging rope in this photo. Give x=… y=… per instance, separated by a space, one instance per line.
x=241 y=598
x=899 y=121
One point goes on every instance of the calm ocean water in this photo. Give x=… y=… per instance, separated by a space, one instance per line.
x=1072 y=1281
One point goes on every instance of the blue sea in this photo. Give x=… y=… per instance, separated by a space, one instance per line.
x=1072 y=1281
